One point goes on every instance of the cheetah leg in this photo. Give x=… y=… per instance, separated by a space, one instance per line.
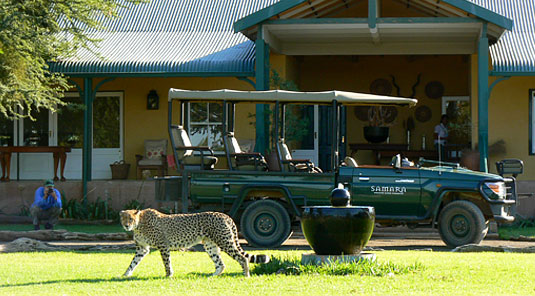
x=166 y=258
x=141 y=251
x=215 y=254
x=233 y=251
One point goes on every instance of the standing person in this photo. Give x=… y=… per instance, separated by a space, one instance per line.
x=46 y=206
x=441 y=137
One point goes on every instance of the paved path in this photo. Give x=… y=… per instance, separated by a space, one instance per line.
x=393 y=238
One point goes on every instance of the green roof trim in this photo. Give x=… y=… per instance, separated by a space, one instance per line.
x=512 y=73
x=381 y=20
x=161 y=74
x=482 y=13
x=279 y=7
x=265 y=14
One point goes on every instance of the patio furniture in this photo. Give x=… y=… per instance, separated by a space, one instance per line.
x=59 y=153
x=154 y=157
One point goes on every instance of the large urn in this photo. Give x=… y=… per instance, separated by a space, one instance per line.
x=340 y=229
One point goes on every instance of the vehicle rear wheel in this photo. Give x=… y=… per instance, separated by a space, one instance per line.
x=265 y=223
x=460 y=223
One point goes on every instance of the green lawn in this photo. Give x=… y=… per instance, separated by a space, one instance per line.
x=514 y=232
x=73 y=228
x=98 y=273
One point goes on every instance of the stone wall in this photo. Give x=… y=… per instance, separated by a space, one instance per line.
x=15 y=195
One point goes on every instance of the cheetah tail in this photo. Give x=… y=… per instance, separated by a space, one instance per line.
x=259 y=259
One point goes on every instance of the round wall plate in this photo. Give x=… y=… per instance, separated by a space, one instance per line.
x=423 y=113
x=434 y=90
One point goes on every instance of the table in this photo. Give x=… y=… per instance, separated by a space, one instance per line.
x=389 y=150
x=59 y=153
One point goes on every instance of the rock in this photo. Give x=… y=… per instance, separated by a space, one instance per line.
x=60 y=235
x=506 y=249
x=25 y=244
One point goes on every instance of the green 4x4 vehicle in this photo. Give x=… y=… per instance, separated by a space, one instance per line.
x=265 y=203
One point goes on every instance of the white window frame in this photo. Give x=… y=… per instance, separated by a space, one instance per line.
x=206 y=124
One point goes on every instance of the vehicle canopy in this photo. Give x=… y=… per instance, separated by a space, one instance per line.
x=281 y=98
x=293 y=97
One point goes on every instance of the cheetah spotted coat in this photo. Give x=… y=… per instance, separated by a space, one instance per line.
x=216 y=231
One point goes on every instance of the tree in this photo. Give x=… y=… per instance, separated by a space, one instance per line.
x=35 y=32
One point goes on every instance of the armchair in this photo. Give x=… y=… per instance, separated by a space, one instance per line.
x=154 y=157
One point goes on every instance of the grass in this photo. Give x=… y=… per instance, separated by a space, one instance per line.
x=509 y=232
x=87 y=228
x=421 y=273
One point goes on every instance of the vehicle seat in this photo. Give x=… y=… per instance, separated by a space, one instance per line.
x=288 y=163
x=350 y=162
x=187 y=159
x=240 y=160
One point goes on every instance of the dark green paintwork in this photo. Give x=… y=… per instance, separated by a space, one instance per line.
x=405 y=194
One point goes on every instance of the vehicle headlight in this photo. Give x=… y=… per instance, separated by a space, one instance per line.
x=497 y=188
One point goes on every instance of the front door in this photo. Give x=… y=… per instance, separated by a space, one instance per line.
x=107 y=134
x=302 y=131
x=37 y=132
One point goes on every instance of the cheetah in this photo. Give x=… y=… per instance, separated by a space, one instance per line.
x=216 y=231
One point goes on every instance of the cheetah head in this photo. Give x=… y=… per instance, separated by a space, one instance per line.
x=129 y=219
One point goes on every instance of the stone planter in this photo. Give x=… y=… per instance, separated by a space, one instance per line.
x=338 y=230
x=376 y=134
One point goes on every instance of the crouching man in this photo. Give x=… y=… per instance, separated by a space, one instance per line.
x=47 y=205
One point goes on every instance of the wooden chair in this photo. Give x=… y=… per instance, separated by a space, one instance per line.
x=154 y=157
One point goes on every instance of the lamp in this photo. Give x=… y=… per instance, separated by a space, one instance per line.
x=153 y=101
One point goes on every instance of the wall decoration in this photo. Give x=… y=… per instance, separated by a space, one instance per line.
x=361 y=112
x=381 y=87
x=423 y=113
x=434 y=90
x=388 y=114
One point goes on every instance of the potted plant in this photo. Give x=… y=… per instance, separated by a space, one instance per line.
x=377 y=130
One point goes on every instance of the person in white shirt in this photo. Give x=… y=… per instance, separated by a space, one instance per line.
x=441 y=137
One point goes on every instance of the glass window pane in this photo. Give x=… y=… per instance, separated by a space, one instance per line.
x=199 y=135
x=6 y=131
x=106 y=122
x=460 y=131
x=198 y=112
x=36 y=131
x=71 y=123
x=216 y=138
x=216 y=112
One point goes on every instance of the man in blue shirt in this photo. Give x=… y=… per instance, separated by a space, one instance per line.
x=46 y=206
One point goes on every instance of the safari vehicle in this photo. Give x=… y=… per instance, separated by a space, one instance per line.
x=265 y=203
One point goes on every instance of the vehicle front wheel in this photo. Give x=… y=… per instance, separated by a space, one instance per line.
x=460 y=223
x=265 y=223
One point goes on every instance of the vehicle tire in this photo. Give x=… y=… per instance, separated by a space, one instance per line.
x=265 y=223
x=460 y=223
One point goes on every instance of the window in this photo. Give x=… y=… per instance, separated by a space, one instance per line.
x=532 y=121
x=206 y=125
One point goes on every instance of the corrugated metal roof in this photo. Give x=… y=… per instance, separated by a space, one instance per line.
x=515 y=51
x=170 y=36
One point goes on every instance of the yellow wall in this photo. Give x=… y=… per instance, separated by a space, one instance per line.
x=141 y=124
x=356 y=73
x=508 y=119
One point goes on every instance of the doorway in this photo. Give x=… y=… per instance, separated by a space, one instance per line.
x=65 y=128
x=302 y=131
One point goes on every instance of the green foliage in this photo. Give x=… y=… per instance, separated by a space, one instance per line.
x=97 y=210
x=134 y=205
x=24 y=211
x=292 y=266
x=35 y=32
x=522 y=227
